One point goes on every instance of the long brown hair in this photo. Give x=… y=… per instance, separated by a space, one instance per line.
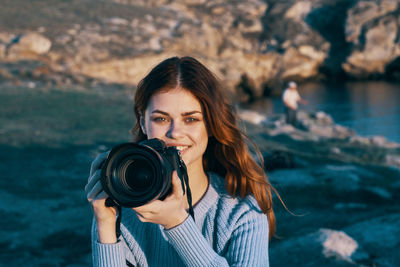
x=227 y=153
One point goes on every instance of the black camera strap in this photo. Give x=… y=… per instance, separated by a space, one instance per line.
x=111 y=203
x=186 y=182
x=118 y=223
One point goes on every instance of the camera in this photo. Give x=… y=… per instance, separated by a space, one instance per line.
x=136 y=173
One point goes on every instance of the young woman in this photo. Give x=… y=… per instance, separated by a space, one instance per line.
x=181 y=102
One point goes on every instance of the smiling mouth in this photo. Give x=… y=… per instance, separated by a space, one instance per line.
x=181 y=149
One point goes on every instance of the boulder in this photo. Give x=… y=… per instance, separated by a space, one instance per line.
x=364 y=12
x=372 y=28
x=379 y=238
x=28 y=45
x=302 y=63
x=338 y=177
x=325 y=247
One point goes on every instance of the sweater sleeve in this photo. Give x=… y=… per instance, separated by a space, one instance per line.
x=192 y=247
x=247 y=245
x=105 y=255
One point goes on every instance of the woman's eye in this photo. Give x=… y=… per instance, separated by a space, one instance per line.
x=159 y=119
x=191 y=120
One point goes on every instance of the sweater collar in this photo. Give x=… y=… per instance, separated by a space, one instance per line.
x=210 y=197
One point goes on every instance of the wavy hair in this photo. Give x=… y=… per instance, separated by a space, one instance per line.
x=227 y=153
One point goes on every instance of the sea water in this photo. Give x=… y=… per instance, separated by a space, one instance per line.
x=368 y=107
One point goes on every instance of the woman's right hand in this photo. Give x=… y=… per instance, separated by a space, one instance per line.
x=105 y=216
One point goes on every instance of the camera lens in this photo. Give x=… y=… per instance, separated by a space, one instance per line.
x=134 y=175
x=137 y=174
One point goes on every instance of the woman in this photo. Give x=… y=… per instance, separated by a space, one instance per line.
x=181 y=102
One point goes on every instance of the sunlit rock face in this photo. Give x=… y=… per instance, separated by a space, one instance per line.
x=255 y=46
x=372 y=29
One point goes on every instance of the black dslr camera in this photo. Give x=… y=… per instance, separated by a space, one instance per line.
x=136 y=173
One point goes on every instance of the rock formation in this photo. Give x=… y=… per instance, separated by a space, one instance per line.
x=269 y=42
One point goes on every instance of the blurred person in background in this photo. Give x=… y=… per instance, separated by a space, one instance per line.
x=291 y=98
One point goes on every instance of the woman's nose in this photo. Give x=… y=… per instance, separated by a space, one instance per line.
x=175 y=130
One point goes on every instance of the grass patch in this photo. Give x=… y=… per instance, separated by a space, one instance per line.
x=61 y=118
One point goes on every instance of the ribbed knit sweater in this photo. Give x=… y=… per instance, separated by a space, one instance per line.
x=226 y=232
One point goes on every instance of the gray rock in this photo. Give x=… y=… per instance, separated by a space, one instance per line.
x=381 y=192
x=393 y=160
x=285 y=178
x=323 y=119
x=337 y=244
x=338 y=177
x=325 y=247
x=349 y=206
x=379 y=140
x=379 y=238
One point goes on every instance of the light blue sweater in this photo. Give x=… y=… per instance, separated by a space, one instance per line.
x=227 y=232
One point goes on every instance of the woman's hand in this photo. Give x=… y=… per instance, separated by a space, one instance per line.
x=169 y=212
x=105 y=216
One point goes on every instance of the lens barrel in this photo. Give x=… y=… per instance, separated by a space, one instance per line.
x=135 y=174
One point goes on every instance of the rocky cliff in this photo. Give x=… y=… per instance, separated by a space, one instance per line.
x=254 y=44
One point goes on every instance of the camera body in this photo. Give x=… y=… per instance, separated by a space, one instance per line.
x=136 y=173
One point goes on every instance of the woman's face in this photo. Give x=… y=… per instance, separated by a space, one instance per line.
x=176 y=117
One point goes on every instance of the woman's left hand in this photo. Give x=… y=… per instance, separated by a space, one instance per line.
x=169 y=212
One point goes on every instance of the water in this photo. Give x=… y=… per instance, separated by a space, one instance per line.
x=370 y=108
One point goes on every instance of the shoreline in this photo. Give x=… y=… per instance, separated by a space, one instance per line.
x=317 y=135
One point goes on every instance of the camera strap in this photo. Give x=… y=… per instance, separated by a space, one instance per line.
x=118 y=222
x=188 y=192
x=111 y=203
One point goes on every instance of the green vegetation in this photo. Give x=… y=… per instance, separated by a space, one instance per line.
x=57 y=118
